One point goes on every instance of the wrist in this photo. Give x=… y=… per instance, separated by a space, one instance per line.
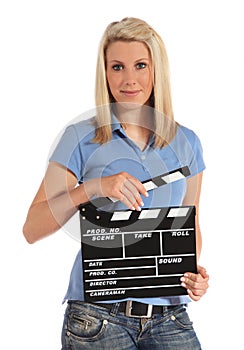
x=89 y=189
x=82 y=193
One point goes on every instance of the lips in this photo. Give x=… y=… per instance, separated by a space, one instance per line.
x=130 y=93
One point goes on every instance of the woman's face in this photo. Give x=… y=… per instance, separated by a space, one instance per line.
x=129 y=72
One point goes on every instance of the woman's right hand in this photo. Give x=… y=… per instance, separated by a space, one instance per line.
x=122 y=186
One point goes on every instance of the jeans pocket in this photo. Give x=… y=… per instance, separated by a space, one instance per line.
x=84 y=327
x=181 y=319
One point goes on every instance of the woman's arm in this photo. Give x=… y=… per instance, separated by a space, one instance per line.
x=196 y=284
x=55 y=202
x=59 y=197
x=192 y=197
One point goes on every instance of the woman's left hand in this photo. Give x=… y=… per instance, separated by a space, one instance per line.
x=196 y=284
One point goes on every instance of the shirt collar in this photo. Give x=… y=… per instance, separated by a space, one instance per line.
x=116 y=125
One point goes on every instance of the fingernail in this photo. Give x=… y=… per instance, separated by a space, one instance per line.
x=186 y=275
x=183 y=284
x=183 y=279
x=141 y=204
x=146 y=194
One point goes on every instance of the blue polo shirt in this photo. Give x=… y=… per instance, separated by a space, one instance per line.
x=88 y=160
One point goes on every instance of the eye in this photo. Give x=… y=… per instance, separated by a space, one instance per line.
x=117 y=67
x=141 y=65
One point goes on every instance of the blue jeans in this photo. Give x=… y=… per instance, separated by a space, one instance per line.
x=92 y=327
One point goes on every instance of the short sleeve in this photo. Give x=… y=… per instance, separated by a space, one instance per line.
x=188 y=149
x=196 y=161
x=67 y=152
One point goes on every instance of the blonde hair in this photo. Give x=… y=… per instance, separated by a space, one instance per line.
x=134 y=29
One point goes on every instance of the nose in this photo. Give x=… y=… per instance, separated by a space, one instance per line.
x=130 y=77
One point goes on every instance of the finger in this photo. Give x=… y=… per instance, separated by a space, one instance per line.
x=197 y=281
x=139 y=186
x=196 y=277
x=193 y=296
x=197 y=292
x=129 y=199
x=194 y=285
x=133 y=195
x=202 y=271
x=127 y=203
x=194 y=281
x=189 y=276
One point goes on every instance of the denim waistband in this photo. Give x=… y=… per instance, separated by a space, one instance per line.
x=128 y=308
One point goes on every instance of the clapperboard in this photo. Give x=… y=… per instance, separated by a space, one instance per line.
x=138 y=254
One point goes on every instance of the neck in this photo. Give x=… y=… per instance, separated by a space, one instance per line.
x=139 y=135
x=131 y=114
x=137 y=121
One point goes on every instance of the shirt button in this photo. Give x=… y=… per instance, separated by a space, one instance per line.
x=143 y=157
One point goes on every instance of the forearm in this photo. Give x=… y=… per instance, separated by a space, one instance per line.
x=198 y=241
x=46 y=217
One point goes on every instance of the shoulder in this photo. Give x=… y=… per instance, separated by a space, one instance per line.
x=83 y=129
x=74 y=135
x=186 y=132
x=79 y=131
x=189 y=147
x=187 y=136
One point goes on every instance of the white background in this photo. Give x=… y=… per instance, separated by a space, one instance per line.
x=48 y=55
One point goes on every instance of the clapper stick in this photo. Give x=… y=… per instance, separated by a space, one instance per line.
x=150 y=184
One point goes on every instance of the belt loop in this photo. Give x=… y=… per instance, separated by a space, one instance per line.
x=165 y=310
x=114 y=310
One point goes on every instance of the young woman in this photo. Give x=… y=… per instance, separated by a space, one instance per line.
x=133 y=137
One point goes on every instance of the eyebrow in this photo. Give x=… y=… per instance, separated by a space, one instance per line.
x=139 y=60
